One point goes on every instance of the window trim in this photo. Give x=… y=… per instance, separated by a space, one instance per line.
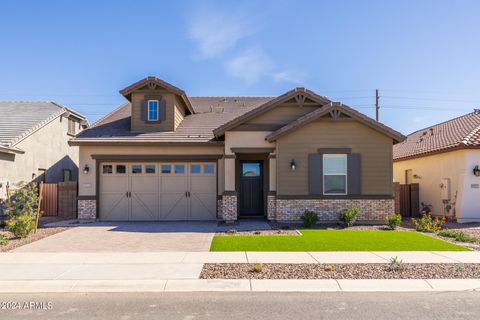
x=157 y=111
x=335 y=174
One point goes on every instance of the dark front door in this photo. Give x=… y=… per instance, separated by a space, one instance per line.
x=251 y=188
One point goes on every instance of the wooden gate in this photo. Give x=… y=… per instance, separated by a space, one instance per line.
x=49 y=204
x=407 y=199
x=59 y=199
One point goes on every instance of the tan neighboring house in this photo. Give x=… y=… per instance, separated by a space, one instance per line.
x=34 y=143
x=444 y=160
x=166 y=156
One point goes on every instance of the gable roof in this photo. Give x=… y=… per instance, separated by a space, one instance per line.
x=151 y=80
x=331 y=108
x=210 y=113
x=458 y=133
x=268 y=106
x=19 y=119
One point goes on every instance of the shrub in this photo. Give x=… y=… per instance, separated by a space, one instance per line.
x=257 y=267
x=232 y=231
x=21 y=226
x=24 y=201
x=393 y=220
x=397 y=264
x=348 y=217
x=309 y=218
x=329 y=268
x=3 y=240
x=427 y=224
x=457 y=235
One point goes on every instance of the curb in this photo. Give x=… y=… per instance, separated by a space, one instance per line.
x=240 y=285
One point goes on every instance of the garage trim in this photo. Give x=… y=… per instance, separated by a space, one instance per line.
x=155 y=157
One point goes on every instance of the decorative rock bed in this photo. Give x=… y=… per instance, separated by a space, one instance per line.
x=339 y=271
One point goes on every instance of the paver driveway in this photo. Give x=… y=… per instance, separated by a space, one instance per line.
x=128 y=237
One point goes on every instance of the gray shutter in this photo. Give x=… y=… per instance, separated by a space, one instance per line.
x=315 y=174
x=162 y=110
x=144 y=110
x=354 y=169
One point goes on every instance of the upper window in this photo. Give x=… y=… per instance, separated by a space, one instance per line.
x=152 y=110
x=71 y=126
x=334 y=174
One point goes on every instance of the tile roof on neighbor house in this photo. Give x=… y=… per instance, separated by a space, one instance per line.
x=210 y=113
x=19 y=119
x=458 y=133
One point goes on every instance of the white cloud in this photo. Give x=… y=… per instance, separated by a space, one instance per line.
x=289 y=76
x=215 y=32
x=250 y=66
x=418 y=119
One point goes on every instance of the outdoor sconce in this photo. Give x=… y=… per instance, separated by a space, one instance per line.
x=86 y=169
x=34 y=175
x=476 y=171
x=293 y=165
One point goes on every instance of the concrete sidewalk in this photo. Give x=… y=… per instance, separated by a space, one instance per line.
x=245 y=285
x=237 y=257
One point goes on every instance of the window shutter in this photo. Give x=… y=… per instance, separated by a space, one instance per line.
x=144 y=110
x=315 y=173
x=354 y=173
x=162 y=110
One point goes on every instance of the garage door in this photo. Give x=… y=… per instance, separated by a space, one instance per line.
x=158 y=191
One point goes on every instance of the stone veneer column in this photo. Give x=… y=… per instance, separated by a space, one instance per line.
x=272 y=188
x=87 y=209
x=229 y=206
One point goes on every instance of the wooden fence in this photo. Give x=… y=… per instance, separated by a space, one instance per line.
x=407 y=199
x=59 y=199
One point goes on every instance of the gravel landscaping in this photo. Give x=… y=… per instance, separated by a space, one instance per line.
x=339 y=271
x=40 y=234
x=273 y=232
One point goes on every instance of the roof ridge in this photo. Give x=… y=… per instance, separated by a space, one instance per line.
x=440 y=123
x=108 y=114
x=467 y=138
x=232 y=96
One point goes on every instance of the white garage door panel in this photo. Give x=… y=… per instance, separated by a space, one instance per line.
x=166 y=191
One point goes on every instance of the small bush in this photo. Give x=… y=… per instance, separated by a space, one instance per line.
x=257 y=232
x=329 y=268
x=397 y=264
x=427 y=224
x=393 y=220
x=232 y=231
x=457 y=235
x=21 y=226
x=3 y=240
x=309 y=218
x=257 y=267
x=348 y=217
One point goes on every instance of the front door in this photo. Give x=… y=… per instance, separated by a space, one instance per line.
x=251 y=188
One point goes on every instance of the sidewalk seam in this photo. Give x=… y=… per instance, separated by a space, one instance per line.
x=310 y=254
x=429 y=284
x=441 y=255
x=338 y=284
x=375 y=254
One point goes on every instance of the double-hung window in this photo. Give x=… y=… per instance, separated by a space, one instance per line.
x=334 y=174
x=152 y=110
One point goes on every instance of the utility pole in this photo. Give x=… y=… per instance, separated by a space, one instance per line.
x=377 y=107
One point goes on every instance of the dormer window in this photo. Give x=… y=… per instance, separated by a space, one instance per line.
x=152 y=110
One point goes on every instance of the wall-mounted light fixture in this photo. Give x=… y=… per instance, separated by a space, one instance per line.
x=417 y=176
x=476 y=171
x=86 y=169
x=34 y=175
x=293 y=165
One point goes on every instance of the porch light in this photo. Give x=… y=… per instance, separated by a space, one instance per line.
x=476 y=171
x=293 y=165
x=86 y=169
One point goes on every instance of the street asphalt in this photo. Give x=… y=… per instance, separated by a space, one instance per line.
x=221 y=305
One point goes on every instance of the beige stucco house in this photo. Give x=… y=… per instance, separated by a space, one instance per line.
x=34 y=143
x=445 y=161
x=166 y=156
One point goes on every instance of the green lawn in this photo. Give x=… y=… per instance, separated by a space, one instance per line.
x=335 y=240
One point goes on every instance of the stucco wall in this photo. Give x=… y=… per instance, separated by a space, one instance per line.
x=47 y=148
x=87 y=185
x=456 y=166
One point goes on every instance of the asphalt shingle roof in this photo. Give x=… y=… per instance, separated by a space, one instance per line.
x=18 y=119
x=210 y=113
x=461 y=132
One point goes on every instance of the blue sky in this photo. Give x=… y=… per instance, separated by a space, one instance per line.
x=423 y=56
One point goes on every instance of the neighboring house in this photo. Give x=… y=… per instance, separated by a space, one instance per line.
x=444 y=160
x=166 y=156
x=34 y=143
